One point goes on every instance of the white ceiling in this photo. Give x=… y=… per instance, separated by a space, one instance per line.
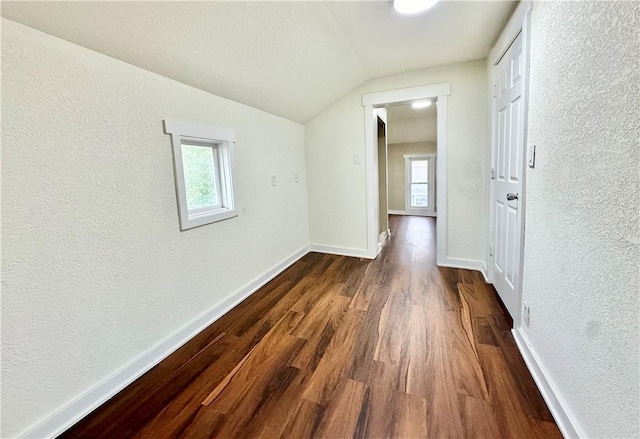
x=291 y=58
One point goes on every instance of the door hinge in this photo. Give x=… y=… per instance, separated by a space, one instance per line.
x=493 y=173
x=490 y=249
x=495 y=90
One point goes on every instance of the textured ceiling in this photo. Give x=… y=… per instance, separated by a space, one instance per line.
x=292 y=59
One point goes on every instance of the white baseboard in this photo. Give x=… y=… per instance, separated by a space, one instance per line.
x=342 y=251
x=66 y=417
x=404 y=212
x=557 y=405
x=485 y=272
x=466 y=264
x=382 y=238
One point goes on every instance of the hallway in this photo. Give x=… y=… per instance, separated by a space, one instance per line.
x=342 y=347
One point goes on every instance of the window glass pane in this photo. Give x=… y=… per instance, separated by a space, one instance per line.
x=199 y=176
x=419 y=171
x=419 y=195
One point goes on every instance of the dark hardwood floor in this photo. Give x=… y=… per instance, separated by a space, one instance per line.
x=339 y=347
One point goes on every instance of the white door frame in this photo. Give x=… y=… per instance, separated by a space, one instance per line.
x=382 y=114
x=520 y=22
x=370 y=101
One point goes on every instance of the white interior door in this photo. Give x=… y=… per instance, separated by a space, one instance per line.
x=507 y=174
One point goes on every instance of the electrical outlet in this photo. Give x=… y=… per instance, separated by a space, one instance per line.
x=273 y=179
x=295 y=178
x=526 y=314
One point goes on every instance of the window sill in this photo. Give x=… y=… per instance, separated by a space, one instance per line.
x=203 y=218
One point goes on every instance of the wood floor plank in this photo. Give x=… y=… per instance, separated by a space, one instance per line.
x=341 y=347
x=272 y=419
x=174 y=417
x=478 y=419
x=342 y=413
x=304 y=421
x=393 y=329
x=318 y=327
x=511 y=418
x=443 y=411
x=337 y=362
x=470 y=379
x=411 y=422
x=205 y=423
x=517 y=370
x=227 y=380
x=261 y=410
x=477 y=299
x=258 y=369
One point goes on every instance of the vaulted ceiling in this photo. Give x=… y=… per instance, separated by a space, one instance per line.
x=291 y=59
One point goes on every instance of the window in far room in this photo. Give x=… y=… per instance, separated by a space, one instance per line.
x=419 y=190
x=420 y=183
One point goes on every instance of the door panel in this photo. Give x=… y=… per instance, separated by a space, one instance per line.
x=502 y=142
x=507 y=160
x=515 y=142
x=499 y=257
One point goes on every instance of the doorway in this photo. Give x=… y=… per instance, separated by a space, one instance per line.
x=372 y=102
x=383 y=189
x=412 y=158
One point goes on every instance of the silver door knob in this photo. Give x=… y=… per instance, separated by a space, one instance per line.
x=511 y=197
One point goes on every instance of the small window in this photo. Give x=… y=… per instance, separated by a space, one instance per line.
x=203 y=162
x=420 y=183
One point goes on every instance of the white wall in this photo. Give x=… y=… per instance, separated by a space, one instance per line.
x=337 y=186
x=95 y=269
x=582 y=228
x=421 y=126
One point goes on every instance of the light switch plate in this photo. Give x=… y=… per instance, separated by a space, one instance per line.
x=356 y=159
x=531 y=155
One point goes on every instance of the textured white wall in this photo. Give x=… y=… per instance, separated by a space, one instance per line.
x=396 y=169
x=95 y=269
x=337 y=187
x=582 y=220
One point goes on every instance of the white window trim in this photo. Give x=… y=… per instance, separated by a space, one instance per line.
x=223 y=141
x=430 y=209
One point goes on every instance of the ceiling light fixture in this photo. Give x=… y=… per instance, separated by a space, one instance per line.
x=412 y=6
x=420 y=104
